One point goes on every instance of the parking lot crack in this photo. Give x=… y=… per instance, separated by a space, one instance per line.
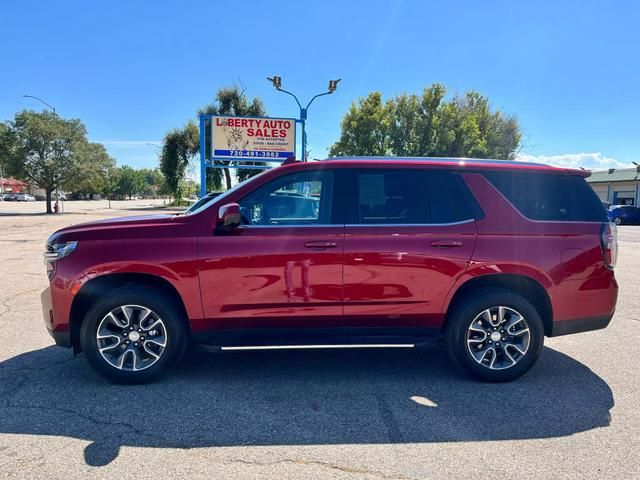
x=341 y=468
x=4 y=303
x=70 y=412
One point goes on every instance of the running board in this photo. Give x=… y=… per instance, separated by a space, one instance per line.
x=216 y=348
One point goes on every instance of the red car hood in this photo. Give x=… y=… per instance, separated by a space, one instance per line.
x=98 y=228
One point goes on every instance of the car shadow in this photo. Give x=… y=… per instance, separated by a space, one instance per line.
x=297 y=398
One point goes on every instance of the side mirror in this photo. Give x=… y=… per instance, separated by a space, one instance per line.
x=229 y=216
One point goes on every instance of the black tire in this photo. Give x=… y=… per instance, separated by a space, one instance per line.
x=175 y=333
x=468 y=309
x=617 y=221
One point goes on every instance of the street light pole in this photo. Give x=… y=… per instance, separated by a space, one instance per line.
x=42 y=101
x=277 y=83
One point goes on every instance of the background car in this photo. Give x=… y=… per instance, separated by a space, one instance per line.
x=9 y=197
x=624 y=214
x=25 y=197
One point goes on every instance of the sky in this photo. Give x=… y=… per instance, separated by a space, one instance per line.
x=133 y=70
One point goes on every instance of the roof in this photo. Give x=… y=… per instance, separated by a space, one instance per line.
x=12 y=182
x=615 y=175
x=463 y=163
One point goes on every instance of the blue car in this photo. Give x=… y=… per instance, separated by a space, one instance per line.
x=624 y=214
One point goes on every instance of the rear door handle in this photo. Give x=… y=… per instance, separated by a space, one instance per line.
x=320 y=245
x=446 y=243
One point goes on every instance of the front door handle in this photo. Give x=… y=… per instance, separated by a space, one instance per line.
x=320 y=245
x=445 y=243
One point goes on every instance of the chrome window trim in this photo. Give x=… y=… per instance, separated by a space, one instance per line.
x=387 y=225
x=305 y=225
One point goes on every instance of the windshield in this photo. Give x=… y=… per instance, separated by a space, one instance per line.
x=206 y=201
x=202 y=201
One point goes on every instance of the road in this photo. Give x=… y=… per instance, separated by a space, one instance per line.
x=386 y=414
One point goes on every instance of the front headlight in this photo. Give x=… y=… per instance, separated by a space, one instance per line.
x=58 y=251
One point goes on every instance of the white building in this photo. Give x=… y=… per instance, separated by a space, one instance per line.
x=617 y=186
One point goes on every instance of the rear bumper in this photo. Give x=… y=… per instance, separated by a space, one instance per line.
x=568 y=327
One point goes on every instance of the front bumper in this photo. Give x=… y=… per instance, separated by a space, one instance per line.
x=61 y=337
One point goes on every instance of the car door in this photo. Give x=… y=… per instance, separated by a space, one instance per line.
x=409 y=235
x=283 y=267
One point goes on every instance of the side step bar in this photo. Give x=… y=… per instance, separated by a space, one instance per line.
x=304 y=347
x=221 y=348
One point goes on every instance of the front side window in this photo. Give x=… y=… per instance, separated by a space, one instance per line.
x=296 y=199
x=411 y=197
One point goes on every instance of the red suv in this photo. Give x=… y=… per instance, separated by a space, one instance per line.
x=491 y=256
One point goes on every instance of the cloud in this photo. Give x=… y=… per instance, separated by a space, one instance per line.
x=130 y=143
x=135 y=153
x=590 y=161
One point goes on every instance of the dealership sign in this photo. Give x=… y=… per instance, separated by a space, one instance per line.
x=272 y=139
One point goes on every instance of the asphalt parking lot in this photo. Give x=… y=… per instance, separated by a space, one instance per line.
x=389 y=414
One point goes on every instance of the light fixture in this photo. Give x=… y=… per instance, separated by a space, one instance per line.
x=276 y=81
x=333 y=84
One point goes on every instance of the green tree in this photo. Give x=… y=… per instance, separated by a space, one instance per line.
x=46 y=149
x=94 y=163
x=179 y=147
x=428 y=125
x=7 y=150
x=365 y=128
x=153 y=180
x=111 y=183
x=130 y=182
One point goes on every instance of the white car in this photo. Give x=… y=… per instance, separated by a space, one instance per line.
x=25 y=197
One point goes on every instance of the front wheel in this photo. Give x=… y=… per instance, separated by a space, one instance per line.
x=496 y=335
x=133 y=335
x=617 y=221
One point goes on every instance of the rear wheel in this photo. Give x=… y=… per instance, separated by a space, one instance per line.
x=133 y=335
x=497 y=335
x=617 y=221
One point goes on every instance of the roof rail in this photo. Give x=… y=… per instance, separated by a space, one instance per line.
x=383 y=158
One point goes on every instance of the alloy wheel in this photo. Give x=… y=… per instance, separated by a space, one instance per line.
x=498 y=338
x=131 y=337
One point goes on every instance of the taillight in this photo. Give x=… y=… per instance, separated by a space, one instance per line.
x=609 y=243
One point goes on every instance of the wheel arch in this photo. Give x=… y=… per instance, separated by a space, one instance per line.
x=524 y=285
x=96 y=287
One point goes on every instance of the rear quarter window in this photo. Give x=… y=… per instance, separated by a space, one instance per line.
x=550 y=197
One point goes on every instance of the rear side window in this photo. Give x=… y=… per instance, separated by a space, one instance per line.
x=550 y=197
x=410 y=197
